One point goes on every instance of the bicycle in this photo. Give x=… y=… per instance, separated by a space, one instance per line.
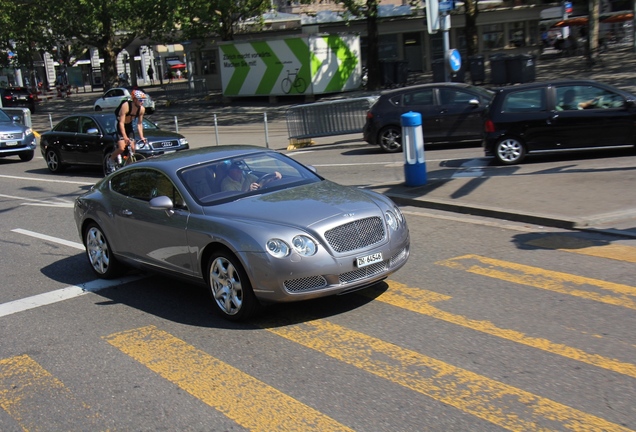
x=127 y=157
x=298 y=83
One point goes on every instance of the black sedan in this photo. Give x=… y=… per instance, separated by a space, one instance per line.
x=451 y=112
x=89 y=139
x=564 y=115
x=17 y=97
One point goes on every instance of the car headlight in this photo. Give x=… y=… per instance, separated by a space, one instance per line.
x=398 y=214
x=304 y=245
x=183 y=141
x=391 y=220
x=29 y=131
x=143 y=145
x=277 y=248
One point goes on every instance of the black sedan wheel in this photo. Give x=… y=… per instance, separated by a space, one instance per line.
x=103 y=263
x=230 y=288
x=510 y=151
x=53 y=161
x=390 y=139
x=26 y=156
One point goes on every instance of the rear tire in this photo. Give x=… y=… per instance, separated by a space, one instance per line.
x=390 y=139
x=510 y=151
x=230 y=287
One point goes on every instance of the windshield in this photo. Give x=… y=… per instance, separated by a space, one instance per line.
x=4 y=117
x=230 y=179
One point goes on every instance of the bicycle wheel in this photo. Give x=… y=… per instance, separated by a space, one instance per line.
x=286 y=85
x=135 y=157
x=300 y=85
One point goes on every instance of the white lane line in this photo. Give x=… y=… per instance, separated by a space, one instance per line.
x=62 y=294
x=33 y=201
x=48 y=180
x=49 y=238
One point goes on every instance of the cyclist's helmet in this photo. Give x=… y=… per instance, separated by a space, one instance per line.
x=138 y=94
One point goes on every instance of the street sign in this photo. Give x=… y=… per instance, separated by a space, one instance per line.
x=432 y=16
x=454 y=60
x=446 y=6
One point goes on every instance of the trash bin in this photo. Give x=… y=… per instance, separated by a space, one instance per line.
x=498 y=72
x=387 y=73
x=520 y=68
x=401 y=72
x=439 y=74
x=477 y=69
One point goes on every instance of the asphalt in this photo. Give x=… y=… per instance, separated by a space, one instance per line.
x=566 y=196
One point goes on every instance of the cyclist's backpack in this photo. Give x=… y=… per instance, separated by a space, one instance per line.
x=119 y=107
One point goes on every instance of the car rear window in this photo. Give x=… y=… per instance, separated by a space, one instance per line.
x=524 y=101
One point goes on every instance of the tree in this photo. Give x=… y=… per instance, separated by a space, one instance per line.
x=108 y=25
x=198 y=19
x=471 y=11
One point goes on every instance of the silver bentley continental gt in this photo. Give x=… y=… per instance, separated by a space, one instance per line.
x=253 y=225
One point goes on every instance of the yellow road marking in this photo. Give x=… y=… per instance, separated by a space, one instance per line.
x=418 y=300
x=585 y=247
x=545 y=279
x=249 y=402
x=496 y=402
x=26 y=387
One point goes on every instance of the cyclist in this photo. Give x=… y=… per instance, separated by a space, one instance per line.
x=128 y=111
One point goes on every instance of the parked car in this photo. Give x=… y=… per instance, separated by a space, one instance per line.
x=15 y=138
x=17 y=97
x=451 y=112
x=113 y=97
x=564 y=115
x=89 y=139
x=292 y=236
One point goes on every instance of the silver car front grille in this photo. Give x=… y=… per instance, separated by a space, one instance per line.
x=356 y=235
x=11 y=136
x=165 y=144
x=305 y=284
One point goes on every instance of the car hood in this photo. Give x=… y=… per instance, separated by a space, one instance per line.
x=158 y=134
x=303 y=206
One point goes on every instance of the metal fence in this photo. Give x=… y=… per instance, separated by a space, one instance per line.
x=186 y=89
x=340 y=117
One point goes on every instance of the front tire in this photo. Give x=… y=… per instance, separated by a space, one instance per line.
x=53 y=161
x=99 y=253
x=230 y=287
x=390 y=139
x=510 y=151
x=26 y=156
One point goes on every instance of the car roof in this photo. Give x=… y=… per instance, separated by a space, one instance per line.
x=423 y=86
x=175 y=161
x=541 y=84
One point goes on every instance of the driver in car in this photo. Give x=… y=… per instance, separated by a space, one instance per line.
x=240 y=180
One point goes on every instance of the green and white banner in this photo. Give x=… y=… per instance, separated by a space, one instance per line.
x=314 y=64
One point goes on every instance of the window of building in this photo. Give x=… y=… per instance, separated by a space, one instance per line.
x=493 y=36
x=517 y=34
x=388 y=47
x=208 y=62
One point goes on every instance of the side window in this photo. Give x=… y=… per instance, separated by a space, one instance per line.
x=164 y=187
x=420 y=97
x=524 y=101
x=451 y=96
x=119 y=183
x=141 y=184
x=69 y=125
x=88 y=123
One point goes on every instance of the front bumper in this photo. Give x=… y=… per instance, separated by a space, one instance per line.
x=16 y=147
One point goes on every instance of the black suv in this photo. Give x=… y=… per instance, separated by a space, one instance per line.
x=17 y=97
x=565 y=115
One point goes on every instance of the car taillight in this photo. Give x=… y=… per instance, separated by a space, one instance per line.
x=8 y=97
x=489 y=126
x=369 y=115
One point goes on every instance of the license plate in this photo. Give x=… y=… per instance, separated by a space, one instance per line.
x=11 y=143
x=369 y=259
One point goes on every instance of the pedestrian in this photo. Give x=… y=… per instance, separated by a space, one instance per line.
x=151 y=75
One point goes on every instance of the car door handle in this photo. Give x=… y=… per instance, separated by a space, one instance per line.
x=551 y=118
x=126 y=212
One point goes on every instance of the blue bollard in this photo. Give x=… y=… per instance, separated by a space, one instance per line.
x=413 y=147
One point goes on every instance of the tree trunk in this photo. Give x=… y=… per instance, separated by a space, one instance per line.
x=373 y=66
x=470 y=28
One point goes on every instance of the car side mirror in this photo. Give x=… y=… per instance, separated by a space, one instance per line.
x=473 y=102
x=629 y=103
x=161 y=203
x=93 y=131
